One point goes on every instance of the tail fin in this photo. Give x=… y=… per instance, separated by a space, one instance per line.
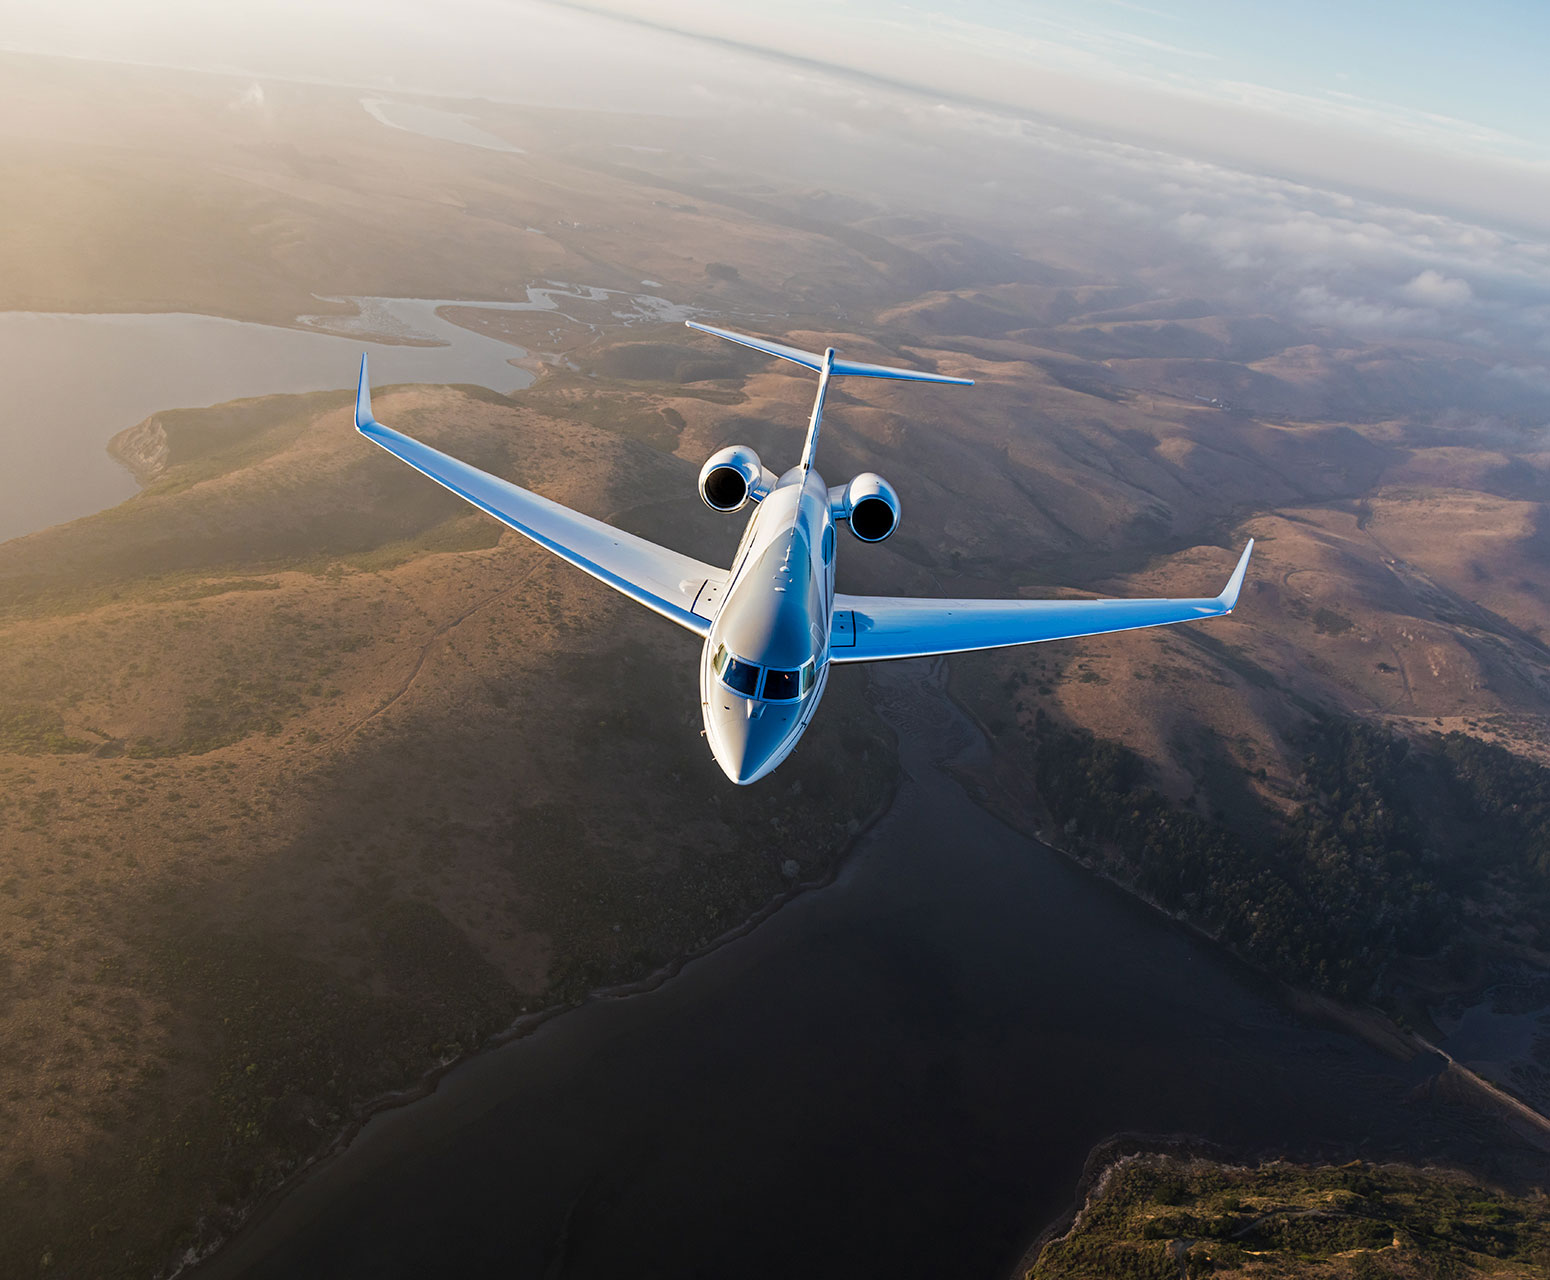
x=817 y=363
x=825 y=366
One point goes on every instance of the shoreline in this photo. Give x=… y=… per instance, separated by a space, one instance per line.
x=526 y=1025
x=1058 y=1202
x=1370 y=1025
x=1106 y=1157
x=1112 y=1155
x=294 y=323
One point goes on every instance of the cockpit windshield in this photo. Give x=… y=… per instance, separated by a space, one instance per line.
x=780 y=686
x=772 y=684
x=741 y=677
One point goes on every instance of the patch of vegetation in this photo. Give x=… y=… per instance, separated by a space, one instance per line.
x=1328 y=899
x=1165 y=1218
x=1329 y=623
x=204 y=443
x=228 y=710
x=33 y=731
x=663 y=362
x=207 y=587
x=290 y=1050
x=461 y=533
x=1506 y=803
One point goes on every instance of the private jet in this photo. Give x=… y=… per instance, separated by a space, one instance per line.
x=772 y=625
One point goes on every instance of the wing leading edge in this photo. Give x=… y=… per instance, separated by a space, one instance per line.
x=883 y=627
x=662 y=580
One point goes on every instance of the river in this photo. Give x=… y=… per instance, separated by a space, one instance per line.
x=899 y=1074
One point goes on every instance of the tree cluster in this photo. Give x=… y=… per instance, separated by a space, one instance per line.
x=1384 y=846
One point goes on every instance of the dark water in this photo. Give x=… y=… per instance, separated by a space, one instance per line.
x=900 y=1074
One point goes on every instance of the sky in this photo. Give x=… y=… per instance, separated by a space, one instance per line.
x=1445 y=105
x=1474 y=71
x=1338 y=89
x=1477 y=68
x=1376 y=166
x=1467 y=76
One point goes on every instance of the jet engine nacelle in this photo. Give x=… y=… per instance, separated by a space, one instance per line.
x=729 y=478
x=871 y=506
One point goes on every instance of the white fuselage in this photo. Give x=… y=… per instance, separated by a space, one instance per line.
x=766 y=658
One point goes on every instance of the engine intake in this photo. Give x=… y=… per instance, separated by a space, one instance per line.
x=729 y=478
x=871 y=506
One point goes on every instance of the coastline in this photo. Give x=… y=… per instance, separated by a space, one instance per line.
x=1104 y=1160
x=1324 y=1188
x=1368 y=1024
x=357 y=1206
x=253 y=1215
x=1107 y=1155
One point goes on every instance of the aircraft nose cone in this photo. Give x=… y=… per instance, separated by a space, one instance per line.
x=731 y=742
x=746 y=746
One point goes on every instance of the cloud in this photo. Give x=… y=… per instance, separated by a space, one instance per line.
x=250 y=99
x=1535 y=378
x=1433 y=288
x=1307 y=252
x=1319 y=305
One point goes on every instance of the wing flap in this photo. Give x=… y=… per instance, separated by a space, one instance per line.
x=662 y=580
x=884 y=627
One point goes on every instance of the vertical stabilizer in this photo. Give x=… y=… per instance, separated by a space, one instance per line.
x=815 y=423
x=826 y=366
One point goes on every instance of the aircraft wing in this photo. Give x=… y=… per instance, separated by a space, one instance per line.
x=658 y=578
x=874 y=628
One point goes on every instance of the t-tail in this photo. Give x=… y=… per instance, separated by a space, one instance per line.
x=826 y=366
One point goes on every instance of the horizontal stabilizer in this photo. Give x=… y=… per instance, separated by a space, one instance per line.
x=838 y=369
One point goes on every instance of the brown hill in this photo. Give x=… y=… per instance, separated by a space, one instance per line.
x=313 y=780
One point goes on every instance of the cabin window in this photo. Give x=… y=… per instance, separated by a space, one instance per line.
x=782 y=686
x=741 y=677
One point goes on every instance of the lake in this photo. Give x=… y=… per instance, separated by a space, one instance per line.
x=72 y=382
x=900 y=1074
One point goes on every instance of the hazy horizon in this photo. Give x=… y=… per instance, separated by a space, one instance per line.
x=1339 y=253
x=1454 y=121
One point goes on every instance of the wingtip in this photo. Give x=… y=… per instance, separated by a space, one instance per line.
x=1229 y=596
x=363 y=416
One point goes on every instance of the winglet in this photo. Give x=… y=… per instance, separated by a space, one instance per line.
x=1229 y=596
x=363 y=416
